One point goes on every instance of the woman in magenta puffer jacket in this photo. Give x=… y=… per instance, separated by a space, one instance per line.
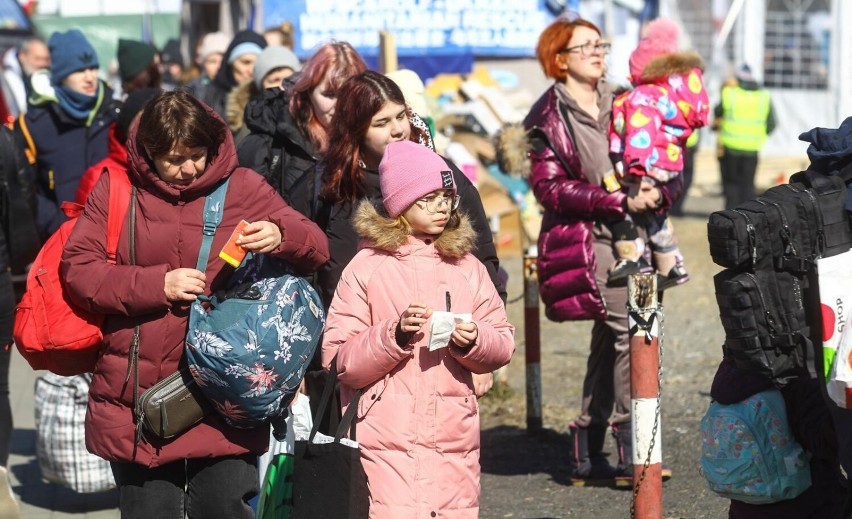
x=567 y=128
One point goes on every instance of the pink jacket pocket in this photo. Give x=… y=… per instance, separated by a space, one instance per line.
x=371 y=395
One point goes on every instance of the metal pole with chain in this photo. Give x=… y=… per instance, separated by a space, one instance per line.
x=532 y=341
x=644 y=316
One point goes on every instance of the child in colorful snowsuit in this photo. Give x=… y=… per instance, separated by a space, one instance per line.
x=417 y=420
x=650 y=126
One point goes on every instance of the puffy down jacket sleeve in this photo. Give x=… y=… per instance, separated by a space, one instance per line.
x=365 y=352
x=303 y=244
x=561 y=193
x=495 y=342
x=98 y=286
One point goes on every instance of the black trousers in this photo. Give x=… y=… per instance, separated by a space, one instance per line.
x=688 y=175
x=202 y=488
x=738 y=170
x=7 y=318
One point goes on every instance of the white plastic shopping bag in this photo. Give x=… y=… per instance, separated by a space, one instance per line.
x=299 y=425
x=840 y=379
x=835 y=294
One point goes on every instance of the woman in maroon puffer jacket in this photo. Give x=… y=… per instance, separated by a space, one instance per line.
x=177 y=154
x=567 y=128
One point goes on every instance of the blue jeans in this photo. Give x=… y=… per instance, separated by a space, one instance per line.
x=214 y=488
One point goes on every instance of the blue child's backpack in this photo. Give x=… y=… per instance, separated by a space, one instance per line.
x=748 y=452
x=250 y=350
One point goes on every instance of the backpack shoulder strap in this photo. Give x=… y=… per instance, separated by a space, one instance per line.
x=30 y=150
x=214 y=207
x=119 y=200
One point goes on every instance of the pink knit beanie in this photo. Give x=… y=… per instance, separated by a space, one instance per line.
x=409 y=171
x=659 y=37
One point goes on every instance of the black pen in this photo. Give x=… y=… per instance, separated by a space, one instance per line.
x=448 y=300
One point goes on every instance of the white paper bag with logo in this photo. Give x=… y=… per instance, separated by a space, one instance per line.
x=835 y=293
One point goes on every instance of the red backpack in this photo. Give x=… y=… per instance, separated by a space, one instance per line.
x=50 y=332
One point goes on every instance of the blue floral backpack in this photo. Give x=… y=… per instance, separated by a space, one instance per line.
x=249 y=351
x=748 y=452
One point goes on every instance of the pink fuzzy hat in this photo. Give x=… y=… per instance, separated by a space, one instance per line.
x=659 y=37
x=409 y=171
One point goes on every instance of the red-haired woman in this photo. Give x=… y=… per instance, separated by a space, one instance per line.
x=567 y=128
x=289 y=127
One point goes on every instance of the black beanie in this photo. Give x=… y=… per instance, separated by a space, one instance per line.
x=134 y=104
x=133 y=57
x=171 y=53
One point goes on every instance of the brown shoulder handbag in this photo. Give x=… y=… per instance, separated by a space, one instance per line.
x=172 y=405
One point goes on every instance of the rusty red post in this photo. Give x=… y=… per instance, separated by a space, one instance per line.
x=532 y=343
x=643 y=316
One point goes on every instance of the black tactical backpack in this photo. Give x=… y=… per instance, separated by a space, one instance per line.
x=767 y=296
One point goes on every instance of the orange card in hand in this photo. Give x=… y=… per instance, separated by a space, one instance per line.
x=232 y=253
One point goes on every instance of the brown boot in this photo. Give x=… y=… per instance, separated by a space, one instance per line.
x=623 y=435
x=587 y=464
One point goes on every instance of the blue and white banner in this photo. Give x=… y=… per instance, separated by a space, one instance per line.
x=499 y=28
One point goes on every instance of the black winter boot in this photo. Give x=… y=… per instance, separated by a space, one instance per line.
x=624 y=444
x=587 y=464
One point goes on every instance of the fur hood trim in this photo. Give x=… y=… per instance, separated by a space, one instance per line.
x=676 y=63
x=383 y=233
x=512 y=147
x=235 y=105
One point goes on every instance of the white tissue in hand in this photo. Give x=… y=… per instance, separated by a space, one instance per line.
x=443 y=325
x=462 y=318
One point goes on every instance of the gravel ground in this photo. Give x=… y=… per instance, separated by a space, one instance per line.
x=525 y=476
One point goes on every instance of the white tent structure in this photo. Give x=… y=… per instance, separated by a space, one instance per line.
x=801 y=50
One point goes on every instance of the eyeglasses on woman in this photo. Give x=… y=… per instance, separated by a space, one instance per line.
x=588 y=49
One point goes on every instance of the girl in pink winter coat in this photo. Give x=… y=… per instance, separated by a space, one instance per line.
x=650 y=126
x=413 y=317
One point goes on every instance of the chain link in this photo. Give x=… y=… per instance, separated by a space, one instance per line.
x=660 y=334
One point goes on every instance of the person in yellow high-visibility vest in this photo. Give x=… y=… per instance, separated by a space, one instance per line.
x=744 y=118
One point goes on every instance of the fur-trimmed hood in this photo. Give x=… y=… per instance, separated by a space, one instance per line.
x=512 y=147
x=676 y=63
x=382 y=232
x=235 y=105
